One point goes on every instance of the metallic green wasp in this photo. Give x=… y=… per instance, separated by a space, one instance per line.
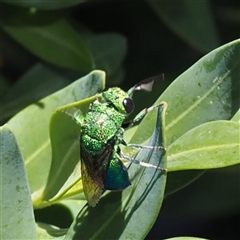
x=101 y=136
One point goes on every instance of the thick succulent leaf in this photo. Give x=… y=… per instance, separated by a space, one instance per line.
x=48 y=231
x=50 y=38
x=201 y=94
x=31 y=126
x=236 y=117
x=17 y=219
x=108 y=51
x=210 y=145
x=185 y=19
x=217 y=189
x=65 y=147
x=38 y=82
x=119 y=215
x=180 y=179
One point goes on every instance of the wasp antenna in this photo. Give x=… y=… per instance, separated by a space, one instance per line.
x=147 y=83
x=146 y=86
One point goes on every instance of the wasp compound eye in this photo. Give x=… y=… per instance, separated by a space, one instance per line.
x=128 y=105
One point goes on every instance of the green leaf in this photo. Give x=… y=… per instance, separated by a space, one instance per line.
x=210 y=145
x=199 y=95
x=47 y=231
x=17 y=219
x=50 y=38
x=48 y=5
x=35 y=84
x=226 y=193
x=185 y=18
x=180 y=179
x=236 y=117
x=108 y=51
x=65 y=147
x=119 y=215
x=31 y=126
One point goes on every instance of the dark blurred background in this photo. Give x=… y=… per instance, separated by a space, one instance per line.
x=130 y=40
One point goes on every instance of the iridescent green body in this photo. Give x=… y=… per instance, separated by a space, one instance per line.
x=101 y=123
x=101 y=135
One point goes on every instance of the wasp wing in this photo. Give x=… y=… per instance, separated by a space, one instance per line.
x=93 y=169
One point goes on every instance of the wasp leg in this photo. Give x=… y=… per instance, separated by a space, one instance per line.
x=140 y=116
x=141 y=146
x=144 y=164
